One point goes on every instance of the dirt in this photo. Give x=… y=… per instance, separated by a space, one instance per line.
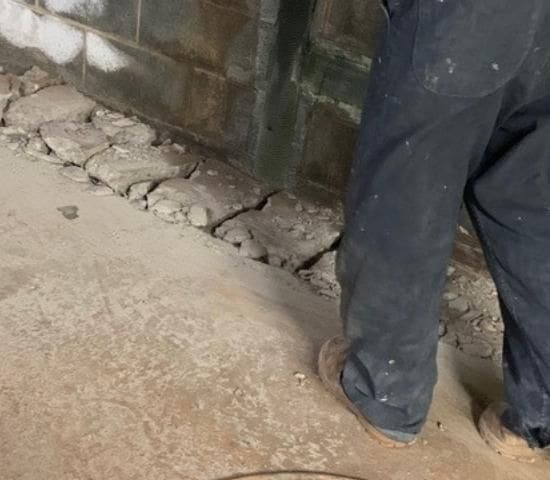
x=471 y=315
x=133 y=348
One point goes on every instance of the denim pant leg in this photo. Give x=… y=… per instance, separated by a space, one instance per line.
x=510 y=202
x=412 y=164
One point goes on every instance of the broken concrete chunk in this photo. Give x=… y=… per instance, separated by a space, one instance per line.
x=13 y=138
x=74 y=142
x=76 y=174
x=37 y=145
x=5 y=93
x=52 y=158
x=139 y=204
x=459 y=305
x=36 y=79
x=59 y=103
x=122 y=130
x=169 y=211
x=449 y=296
x=140 y=190
x=13 y=134
x=221 y=195
x=322 y=275
x=236 y=236
x=253 y=249
x=290 y=236
x=121 y=167
x=199 y=216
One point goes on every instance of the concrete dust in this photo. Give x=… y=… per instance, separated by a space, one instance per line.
x=134 y=348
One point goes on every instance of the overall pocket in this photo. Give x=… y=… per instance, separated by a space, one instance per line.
x=471 y=48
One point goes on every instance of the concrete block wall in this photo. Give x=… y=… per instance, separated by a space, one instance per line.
x=275 y=85
x=333 y=84
x=188 y=63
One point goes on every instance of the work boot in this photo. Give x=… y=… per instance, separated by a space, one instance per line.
x=332 y=359
x=501 y=439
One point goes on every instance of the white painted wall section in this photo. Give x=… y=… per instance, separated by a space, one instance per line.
x=83 y=7
x=24 y=29
x=60 y=42
x=103 y=55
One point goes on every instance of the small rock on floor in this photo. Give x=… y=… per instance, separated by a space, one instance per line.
x=70 y=212
x=237 y=235
x=252 y=249
x=459 y=305
x=199 y=216
x=140 y=190
x=169 y=211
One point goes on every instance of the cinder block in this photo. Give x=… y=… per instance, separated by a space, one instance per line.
x=113 y=16
x=213 y=34
x=329 y=148
x=207 y=105
x=239 y=118
x=151 y=84
x=351 y=24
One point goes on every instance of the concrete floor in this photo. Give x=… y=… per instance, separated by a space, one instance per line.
x=134 y=349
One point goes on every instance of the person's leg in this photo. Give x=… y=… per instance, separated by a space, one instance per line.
x=510 y=203
x=422 y=130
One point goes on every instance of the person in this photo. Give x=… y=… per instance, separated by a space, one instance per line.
x=457 y=111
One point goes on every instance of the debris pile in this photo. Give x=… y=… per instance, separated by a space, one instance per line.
x=116 y=154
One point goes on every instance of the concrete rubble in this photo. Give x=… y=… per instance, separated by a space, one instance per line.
x=140 y=190
x=322 y=275
x=13 y=137
x=113 y=153
x=76 y=174
x=34 y=80
x=58 y=103
x=37 y=144
x=292 y=231
x=74 y=142
x=122 y=130
x=213 y=193
x=471 y=319
x=5 y=93
x=121 y=167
